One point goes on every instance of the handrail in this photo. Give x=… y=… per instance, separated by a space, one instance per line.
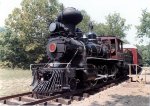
x=137 y=75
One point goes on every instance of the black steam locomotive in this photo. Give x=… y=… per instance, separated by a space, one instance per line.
x=76 y=60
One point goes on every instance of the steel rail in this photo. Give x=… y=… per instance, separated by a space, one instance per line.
x=13 y=96
x=44 y=99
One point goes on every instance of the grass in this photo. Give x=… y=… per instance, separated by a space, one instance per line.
x=6 y=74
x=13 y=81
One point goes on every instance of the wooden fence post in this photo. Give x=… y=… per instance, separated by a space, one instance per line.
x=130 y=73
x=145 y=76
x=136 y=72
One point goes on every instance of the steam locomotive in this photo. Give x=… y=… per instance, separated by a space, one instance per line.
x=77 y=60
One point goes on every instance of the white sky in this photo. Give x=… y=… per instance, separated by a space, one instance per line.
x=6 y=7
x=97 y=9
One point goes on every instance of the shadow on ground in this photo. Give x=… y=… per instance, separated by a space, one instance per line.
x=124 y=100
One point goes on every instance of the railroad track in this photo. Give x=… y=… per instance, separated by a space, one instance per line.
x=30 y=98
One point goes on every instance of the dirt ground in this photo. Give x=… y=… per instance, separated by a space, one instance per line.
x=124 y=94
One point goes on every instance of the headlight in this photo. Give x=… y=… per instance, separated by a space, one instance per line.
x=52 y=27
x=52 y=47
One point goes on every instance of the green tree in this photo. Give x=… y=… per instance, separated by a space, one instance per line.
x=100 y=29
x=145 y=50
x=114 y=26
x=144 y=28
x=11 y=49
x=28 y=27
x=83 y=25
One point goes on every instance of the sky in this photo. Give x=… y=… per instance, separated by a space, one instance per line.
x=97 y=9
x=6 y=7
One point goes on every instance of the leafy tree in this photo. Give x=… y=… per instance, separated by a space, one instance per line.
x=83 y=25
x=145 y=50
x=114 y=26
x=100 y=29
x=28 y=31
x=11 y=49
x=144 y=28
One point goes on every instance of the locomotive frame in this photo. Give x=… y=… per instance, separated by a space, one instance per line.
x=109 y=68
